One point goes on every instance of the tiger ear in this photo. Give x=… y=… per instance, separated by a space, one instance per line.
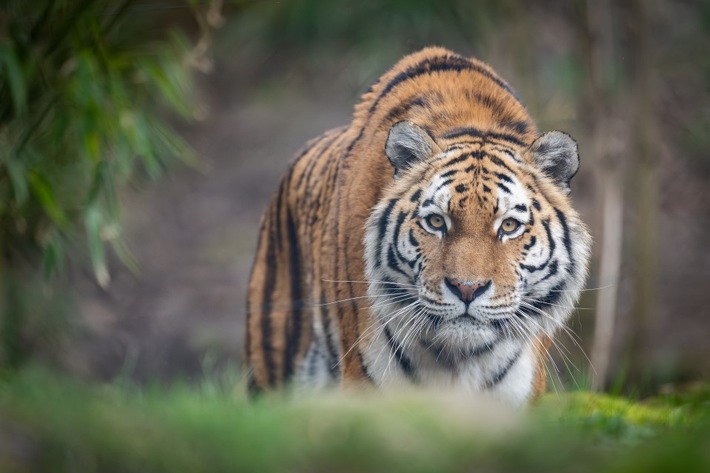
x=555 y=153
x=406 y=144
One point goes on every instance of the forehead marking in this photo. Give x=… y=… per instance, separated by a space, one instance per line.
x=509 y=186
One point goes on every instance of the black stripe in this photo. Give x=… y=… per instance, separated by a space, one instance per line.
x=504 y=188
x=412 y=240
x=449 y=63
x=312 y=365
x=309 y=167
x=501 y=374
x=332 y=162
x=300 y=154
x=505 y=116
x=461 y=144
x=505 y=151
x=531 y=243
x=505 y=137
x=402 y=109
x=333 y=357
x=395 y=292
x=504 y=178
x=566 y=235
x=443 y=184
x=382 y=228
x=397 y=227
x=478 y=154
x=392 y=262
x=416 y=195
x=532 y=269
x=476 y=133
x=384 y=219
x=499 y=162
x=364 y=367
x=458 y=132
x=277 y=213
x=293 y=336
x=262 y=229
x=306 y=175
x=494 y=104
x=552 y=271
x=552 y=297
x=403 y=360
x=518 y=126
x=269 y=286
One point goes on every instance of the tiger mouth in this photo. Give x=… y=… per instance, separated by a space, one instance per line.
x=467 y=318
x=446 y=356
x=499 y=323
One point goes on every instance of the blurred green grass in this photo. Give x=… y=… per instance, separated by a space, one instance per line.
x=51 y=423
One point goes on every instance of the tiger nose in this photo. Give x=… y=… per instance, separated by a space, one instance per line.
x=467 y=291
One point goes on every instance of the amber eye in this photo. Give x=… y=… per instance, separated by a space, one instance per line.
x=509 y=225
x=436 y=222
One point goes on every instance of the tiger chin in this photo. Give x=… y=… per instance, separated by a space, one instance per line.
x=431 y=242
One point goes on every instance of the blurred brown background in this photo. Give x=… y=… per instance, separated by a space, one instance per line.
x=630 y=80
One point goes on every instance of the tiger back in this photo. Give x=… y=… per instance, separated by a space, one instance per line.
x=430 y=242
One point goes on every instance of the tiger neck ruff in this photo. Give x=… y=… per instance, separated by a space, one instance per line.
x=430 y=242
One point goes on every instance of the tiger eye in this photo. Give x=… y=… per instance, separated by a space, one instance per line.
x=509 y=225
x=436 y=222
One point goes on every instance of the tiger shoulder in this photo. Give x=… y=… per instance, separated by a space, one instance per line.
x=430 y=242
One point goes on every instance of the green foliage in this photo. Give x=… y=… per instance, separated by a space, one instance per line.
x=52 y=424
x=84 y=87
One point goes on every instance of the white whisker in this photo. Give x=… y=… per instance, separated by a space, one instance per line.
x=374 y=281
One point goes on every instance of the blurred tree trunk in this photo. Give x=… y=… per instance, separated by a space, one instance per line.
x=599 y=50
x=645 y=186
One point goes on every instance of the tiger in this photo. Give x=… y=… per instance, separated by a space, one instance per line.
x=432 y=242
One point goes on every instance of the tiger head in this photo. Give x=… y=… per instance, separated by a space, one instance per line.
x=477 y=242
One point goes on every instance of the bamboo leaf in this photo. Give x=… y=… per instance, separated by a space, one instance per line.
x=42 y=190
x=19 y=181
x=15 y=78
x=93 y=224
x=81 y=110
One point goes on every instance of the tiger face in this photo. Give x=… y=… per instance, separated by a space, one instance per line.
x=475 y=245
